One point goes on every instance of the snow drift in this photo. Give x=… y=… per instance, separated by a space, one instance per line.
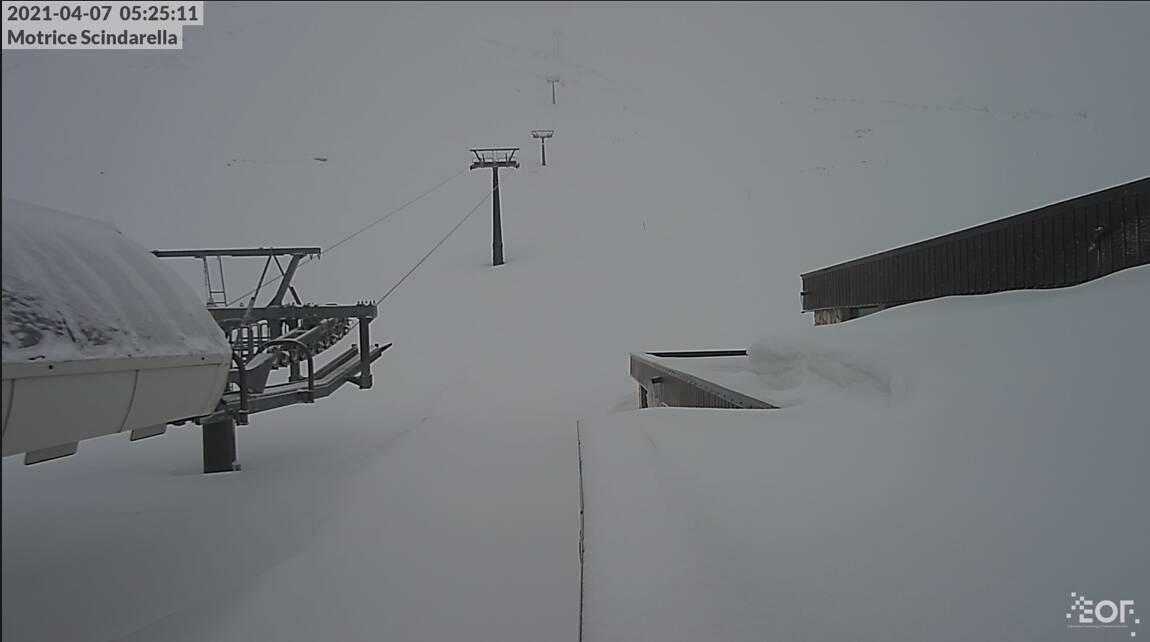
x=948 y=470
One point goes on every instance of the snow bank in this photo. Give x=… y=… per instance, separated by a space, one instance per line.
x=949 y=470
x=922 y=354
x=75 y=288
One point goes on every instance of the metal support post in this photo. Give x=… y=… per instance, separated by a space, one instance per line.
x=364 y=351
x=553 y=80
x=220 y=446
x=496 y=222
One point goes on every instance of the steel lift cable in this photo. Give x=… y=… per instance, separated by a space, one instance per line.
x=472 y=211
x=363 y=229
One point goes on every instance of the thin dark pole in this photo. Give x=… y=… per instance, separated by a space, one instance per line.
x=496 y=223
x=543 y=143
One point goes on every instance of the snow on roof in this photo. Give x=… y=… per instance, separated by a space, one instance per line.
x=76 y=288
x=945 y=470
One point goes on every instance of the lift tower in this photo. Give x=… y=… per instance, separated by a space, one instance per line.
x=495 y=157
x=543 y=135
x=552 y=80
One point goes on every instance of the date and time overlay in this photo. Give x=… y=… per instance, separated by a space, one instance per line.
x=96 y=24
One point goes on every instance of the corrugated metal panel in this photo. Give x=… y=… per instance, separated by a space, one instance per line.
x=1054 y=246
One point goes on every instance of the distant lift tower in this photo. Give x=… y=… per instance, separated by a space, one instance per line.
x=552 y=80
x=543 y=135
x=495 y=157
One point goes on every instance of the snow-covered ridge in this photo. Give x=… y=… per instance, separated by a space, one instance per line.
x=76 y=289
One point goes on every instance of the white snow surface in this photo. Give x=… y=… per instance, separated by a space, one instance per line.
x=704 y=156
x=75 y=288
x=948 y=470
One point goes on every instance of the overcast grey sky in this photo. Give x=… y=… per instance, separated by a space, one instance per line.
x=842 y=129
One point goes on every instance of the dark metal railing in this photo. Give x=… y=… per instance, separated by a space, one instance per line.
x=1059 y=245
x=662 y=385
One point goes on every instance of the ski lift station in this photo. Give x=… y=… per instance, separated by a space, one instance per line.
x=101 y=337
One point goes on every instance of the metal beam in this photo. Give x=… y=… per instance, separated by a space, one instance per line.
x=363 y=310
x=295 y=392
x=494 y=164
x=687 y=354
x=494 y=157
x=250 y=251
x=285 y=282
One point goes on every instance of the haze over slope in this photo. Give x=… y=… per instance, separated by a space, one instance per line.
x=704 y=157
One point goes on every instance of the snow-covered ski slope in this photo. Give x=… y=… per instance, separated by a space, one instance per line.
x=704 y=156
